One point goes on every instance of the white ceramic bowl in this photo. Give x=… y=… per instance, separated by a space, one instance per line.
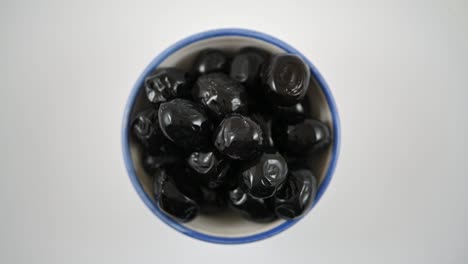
x=228 y=227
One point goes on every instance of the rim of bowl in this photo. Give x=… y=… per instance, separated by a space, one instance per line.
x=155 y=63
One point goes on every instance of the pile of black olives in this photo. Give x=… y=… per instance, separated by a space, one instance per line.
x=232 y=132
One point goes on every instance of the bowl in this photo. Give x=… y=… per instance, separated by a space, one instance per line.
x=227 y=227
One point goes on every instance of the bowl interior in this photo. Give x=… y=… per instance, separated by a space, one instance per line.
x=228 y=223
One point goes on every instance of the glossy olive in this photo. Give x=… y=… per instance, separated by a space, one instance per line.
x=210 y=60
x=220 y=94
x=239 y=138
x=296 y=195
x=262 y=177
x=185 y=123
x=285 y=79
x=145 y=127
x=171 y=200
x=309 y=135
x=246 y=65
x=166 y=84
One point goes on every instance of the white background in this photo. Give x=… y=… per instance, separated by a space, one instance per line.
x=398 y=71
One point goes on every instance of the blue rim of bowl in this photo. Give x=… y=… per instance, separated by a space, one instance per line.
x=155 y=63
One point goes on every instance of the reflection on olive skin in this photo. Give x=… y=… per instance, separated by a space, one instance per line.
x=239 y=138
x=296 y=195
x=185 y=123
x=262 y=177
